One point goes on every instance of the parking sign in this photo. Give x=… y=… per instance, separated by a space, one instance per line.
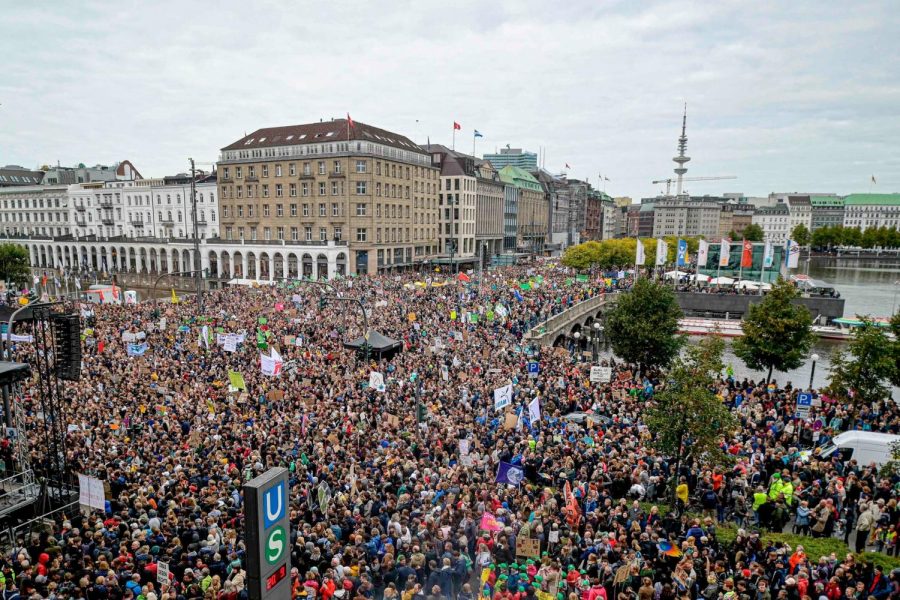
x=804 y=402
x=533 y=369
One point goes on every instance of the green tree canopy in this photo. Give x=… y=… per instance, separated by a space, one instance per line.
x=753 y=233
x=14 y=264
x=860 y=372
x=643 y=325
x=800 y=234
x=777 y=332
x=686 y=418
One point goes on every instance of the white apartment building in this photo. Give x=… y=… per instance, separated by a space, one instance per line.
x=872 y=210
x=34 y=211
x=775 y=222
x=684 y=217
x=800 y=209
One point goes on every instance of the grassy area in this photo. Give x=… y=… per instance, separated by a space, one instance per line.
x=814 y=547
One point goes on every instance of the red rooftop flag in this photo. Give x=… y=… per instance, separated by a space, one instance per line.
x=747 y=254
x=456 y=125
x=349 y=120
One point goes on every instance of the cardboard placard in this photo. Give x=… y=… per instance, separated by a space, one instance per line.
x=528 y=547
x=510 y=421
x=274 y=395
x=392 y=420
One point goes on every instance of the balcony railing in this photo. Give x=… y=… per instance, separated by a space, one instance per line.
x=108 y=203
x=167 y=222
x=137 y=222
x=108 y=221
x=79 y=207
x=335 y=174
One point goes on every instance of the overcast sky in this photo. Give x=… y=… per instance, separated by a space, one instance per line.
x=787 y=96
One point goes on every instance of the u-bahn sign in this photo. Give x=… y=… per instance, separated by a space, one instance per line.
x=268 y=535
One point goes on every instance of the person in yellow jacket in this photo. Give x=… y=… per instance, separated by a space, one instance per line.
x=759 y=498
x=775 y=487
x=787 y=490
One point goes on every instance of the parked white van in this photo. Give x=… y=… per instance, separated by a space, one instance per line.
x=865 y=446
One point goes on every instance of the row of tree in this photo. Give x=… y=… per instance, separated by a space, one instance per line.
x=621 y=252
x=873 y=237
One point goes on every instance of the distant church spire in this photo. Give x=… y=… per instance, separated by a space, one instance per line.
x=681 y=159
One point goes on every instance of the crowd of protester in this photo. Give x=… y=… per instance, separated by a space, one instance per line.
x=390 y=501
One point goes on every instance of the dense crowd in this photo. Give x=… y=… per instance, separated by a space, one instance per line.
x=389 y=501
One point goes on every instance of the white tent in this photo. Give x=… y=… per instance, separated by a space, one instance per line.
x=676 y=275
x=721 y=281
x=747 y=285
x=700 y=277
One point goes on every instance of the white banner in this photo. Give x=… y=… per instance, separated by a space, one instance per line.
x=534 y=410
x=90 y=492
x=640 y=258
x=503 y=396
x=724 y=252
x=662 y=252
x=702 y=253
x=222 y=337
x=768 y=255
x=376 y=381
x=793 y=254
x=231 y=342
x=271 y=365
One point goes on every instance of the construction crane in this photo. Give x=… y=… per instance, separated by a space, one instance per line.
x=669 y=181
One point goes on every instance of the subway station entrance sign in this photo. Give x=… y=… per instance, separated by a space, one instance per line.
x=268 y=535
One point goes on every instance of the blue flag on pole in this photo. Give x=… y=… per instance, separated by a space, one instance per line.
x=682 y=253
x=518 y=296
x=478 y=133
x=509 y=474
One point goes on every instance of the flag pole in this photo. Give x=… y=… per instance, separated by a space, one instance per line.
x=741 y=268
x=473 y=143
x=454 y=136
x=762 y=270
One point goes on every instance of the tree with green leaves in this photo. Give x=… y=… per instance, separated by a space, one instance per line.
x=800 y=234
x=777 y=331
x=861 y=372
x=14 y=264
x=581 y=256
x=752 y=233
x=643 y=325
x=687 y=419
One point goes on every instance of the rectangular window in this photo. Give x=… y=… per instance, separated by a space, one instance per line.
x=225 y=211
x=323 y=234
x=335 y=211
x=305 y=188
x=280 y=233
x=267 y=233
x=361 y=234
x=337 y=166
x=293 y=190
x=292 y=169
x=360 y=166
x=306 y=169
x=360 y=210
x=321 y=188
x=240 y=210
x=295 y=234
x=249 y=210
x=228 y=233
x=322 y=209
x=277 y=170
x=338 y=232
x=265 y=188
x=334 y=188
x=240 y=233
x=265 y=170
x=279 y=190
x=225 y=172
x=279 y=210
x=308 y=233
x=293 y=210
x=321 y=167
x=360 y=188
x=306 y=210
x=265 y=210
x=251 y=171
x=238 y=172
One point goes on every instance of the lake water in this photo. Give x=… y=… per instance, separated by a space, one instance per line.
x=869 y=287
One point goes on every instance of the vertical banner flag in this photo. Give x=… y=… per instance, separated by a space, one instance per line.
x=682 y=253
x=747 y=254
x=768 y=255
x=534 y=410
x=503 y=396
x=792 y=257
x=702 y=253
x=271 y=365
x=724 y=250
x=662 y=252
x=640 y=258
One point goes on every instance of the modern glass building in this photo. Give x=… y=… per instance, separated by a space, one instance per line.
x=734 y=269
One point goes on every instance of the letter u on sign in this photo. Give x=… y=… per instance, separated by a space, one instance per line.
x=273 y=505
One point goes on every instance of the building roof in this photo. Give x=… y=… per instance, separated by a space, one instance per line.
x=325 y=131
x=776 y=209
x=16 y=175
x=826 y=201
x=520 y=178
x=872 y=200
x=799 y=200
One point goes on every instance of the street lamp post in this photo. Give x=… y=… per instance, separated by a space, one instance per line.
x=577 y=336
x=812 y=372
x=598 y=329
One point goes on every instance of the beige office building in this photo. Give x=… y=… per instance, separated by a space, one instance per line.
x=333 y=183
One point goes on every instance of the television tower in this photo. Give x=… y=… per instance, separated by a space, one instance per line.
x=681 y=159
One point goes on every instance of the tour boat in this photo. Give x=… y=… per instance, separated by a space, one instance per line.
x=842 y=329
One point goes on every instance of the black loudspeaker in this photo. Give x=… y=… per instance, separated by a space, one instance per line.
x=67 y=342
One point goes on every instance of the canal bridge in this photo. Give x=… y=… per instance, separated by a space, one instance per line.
x=559 y=329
